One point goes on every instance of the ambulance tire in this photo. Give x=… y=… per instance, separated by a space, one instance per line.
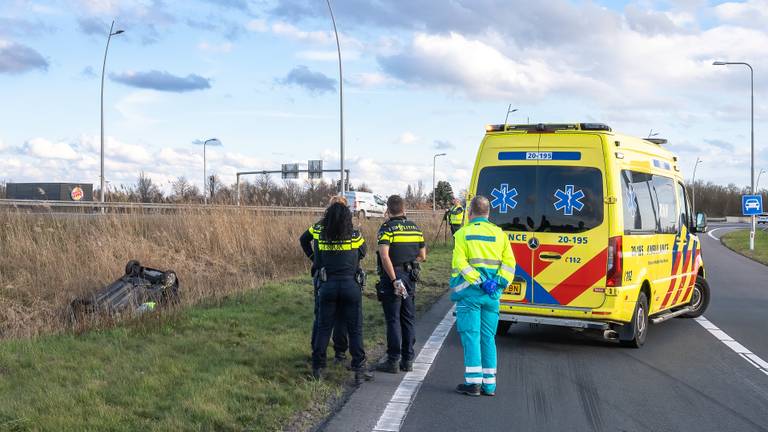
x=503 y=327
x=634 y=333
x=699 y=299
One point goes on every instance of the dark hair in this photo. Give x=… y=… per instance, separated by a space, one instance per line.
x=337 y=222
x=395 y=205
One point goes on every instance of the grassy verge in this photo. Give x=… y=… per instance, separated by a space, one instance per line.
x=242 y=363
x=738 y=241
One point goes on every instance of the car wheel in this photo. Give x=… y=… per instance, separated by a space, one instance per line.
x=132 y=268
x=363 y=214
x=637 y=330
x=503 y=327
x=699 y=299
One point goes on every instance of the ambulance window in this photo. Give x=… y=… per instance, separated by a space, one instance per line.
x=639 y=203
x=684 y=209
x=512 y=192
x=666 y=204
x=570 y=199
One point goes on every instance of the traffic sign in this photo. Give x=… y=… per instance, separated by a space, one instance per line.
x=751 y=205
x=315 y=169
x=290 y=171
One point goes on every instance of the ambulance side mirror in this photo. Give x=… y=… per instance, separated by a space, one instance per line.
x=701 y=223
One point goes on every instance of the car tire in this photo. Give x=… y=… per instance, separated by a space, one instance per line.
x=699 y=299
x=637 y=330
x=503 y=327
x=132 y=268
x=363 y=214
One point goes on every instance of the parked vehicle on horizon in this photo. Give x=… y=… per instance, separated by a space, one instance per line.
x=762 y=218
x=600 y=225
x=366 y=204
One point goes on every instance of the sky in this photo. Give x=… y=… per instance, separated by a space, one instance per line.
x=420 y=77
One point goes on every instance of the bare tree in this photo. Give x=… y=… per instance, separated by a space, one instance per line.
x=146 y=190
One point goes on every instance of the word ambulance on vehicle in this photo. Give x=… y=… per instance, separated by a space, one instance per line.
x=600 y=225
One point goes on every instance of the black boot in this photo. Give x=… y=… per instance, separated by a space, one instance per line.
x=469 y=389
x=362 y=375
x=406 y=366
x=388 y=366
x=317 y=373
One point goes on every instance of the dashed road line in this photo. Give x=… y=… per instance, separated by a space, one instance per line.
x=738 y=348
x=392 y=418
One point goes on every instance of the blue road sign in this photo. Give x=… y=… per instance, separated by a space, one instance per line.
x=751 y=205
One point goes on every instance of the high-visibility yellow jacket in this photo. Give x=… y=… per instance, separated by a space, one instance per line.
x=456 y=215
x=481 y=252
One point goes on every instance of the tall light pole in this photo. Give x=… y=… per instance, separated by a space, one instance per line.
x=213 y=142
x=434 y=186
x=757 y=183
x=693 y=184
x=752 y=107
x=343 y=187
x=506 y=118
x=103 y=70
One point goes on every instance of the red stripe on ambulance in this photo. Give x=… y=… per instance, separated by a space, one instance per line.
x=582 y=279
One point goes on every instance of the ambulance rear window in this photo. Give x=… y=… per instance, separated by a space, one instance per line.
x=560 y=199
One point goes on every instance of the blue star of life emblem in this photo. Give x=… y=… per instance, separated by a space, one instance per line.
x=504 y=198
x=568 y=200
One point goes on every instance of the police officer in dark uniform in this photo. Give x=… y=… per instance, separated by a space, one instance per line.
x=401 y=249
x=308 y=243
x=339 y=249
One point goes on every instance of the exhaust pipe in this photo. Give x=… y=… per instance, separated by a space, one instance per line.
x=610 y=334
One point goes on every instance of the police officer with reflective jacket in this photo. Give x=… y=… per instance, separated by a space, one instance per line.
x=455 y=216
x=339 y=249
x=483 y=265
x=401 y=249
x=308 y=242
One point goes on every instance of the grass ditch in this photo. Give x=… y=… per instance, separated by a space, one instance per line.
x=47 y=260
x=738 y=241
x=238 y=361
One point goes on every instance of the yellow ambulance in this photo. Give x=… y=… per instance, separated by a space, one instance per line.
x=600 y=225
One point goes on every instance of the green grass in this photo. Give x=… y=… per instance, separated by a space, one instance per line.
x=739 y=242
x=240 y=364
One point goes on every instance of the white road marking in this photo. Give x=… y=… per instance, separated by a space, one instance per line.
x=394 y=414
x=738 y=348
x=709 y=233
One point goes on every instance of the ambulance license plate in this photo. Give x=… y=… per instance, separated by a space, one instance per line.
x=515 y=288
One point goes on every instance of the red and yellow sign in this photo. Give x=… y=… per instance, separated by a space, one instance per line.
x=76 y=194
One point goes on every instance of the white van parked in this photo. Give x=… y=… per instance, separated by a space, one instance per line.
x=366 y=204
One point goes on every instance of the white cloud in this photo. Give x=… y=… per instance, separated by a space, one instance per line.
x=45 y=149
x=407 y=137
x=752 y=13
x=371 y=79
x=3 y=146
x=257 y=25
x=219 y=48
x=290 y=31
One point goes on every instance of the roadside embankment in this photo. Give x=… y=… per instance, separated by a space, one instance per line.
x=738 y=241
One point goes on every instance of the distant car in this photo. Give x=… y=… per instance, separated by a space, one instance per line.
x=366 y=204
x=762 y=218
x=752 y=204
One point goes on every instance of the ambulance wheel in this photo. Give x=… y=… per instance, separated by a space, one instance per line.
x=699 y=299
x=503 y=327
x=633 y=334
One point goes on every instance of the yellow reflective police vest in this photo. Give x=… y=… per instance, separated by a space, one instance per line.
x=481 y=252
x=456 y=215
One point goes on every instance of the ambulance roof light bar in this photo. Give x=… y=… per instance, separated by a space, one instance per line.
x=657 y=141
x=548 y=127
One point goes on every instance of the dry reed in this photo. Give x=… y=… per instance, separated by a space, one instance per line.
x=47 y=260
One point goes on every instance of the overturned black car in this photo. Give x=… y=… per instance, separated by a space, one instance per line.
x=140 y=289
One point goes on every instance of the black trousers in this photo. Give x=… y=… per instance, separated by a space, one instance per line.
x=345 y=298
x=400 y=316
x=454 y=228
x=339 y=336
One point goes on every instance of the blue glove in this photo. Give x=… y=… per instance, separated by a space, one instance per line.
x=490 y=286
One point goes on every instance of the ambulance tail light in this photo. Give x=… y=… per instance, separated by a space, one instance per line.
x=615 y=262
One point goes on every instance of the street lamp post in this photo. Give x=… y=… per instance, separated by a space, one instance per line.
x=752 y=135
x=213 y=142
x=693 y=184
x=343 y=186
x=434 y=186
x=103 y=70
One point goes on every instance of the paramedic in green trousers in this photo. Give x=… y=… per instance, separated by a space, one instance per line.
x=483 y=265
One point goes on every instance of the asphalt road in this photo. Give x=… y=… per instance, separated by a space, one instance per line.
x=553 y=379
x=683 y=379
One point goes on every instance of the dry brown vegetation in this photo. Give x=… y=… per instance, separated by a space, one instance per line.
x=48 y=260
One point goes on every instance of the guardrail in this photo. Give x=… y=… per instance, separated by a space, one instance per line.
x=119 y=207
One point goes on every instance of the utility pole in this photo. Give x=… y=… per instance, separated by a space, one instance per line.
x=103 y=70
